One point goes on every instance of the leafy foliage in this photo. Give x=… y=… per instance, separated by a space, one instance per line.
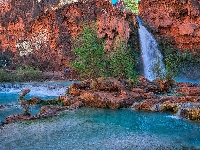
x=93 y=62
x=51 y=102
x=22 y=73
x=176 y=61
x=25 y=73
x=88 y=48
x=122 y=61
x=132 y=5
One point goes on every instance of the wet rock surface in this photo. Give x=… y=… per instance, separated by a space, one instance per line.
x=114 y=94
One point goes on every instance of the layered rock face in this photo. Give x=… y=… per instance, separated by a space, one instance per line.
x=39 y=32
x=177 y=19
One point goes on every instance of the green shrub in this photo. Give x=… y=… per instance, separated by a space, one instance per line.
x=92 y=62
x=5 y=76
x=132 y=5
x=91 y=59
x=176 y=61
x=121 y=61
x=25 y=73
x=51 y=102
x=22 y=73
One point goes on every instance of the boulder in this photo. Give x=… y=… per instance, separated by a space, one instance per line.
x=158 y=86
x=32 y=101
x=191 y=113
x=189 y=91
x=24 y=93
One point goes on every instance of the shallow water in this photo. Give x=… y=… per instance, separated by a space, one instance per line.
x=9 y=94
x=90 y=128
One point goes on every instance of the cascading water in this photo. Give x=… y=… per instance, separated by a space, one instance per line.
x=151 y=56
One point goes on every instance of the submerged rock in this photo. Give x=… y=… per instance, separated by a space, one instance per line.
x=1 y=107
x=24 y=93
x=114 y=94
x=1 y=124
x=45 y=112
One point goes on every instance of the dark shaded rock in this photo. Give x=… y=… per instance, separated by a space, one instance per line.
x=191 y=113
x=1 y=107
x=158 y=86
x=189 y=91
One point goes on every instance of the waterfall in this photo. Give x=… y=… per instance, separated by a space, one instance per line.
x=151 y=56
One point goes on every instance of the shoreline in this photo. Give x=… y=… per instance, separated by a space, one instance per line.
x=114 y=94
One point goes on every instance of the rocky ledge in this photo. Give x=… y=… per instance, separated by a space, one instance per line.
x=161 y=95
x=40 y=33
x=178 y=20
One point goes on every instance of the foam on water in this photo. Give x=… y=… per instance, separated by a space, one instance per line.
x=39 y=89
x=9 y=94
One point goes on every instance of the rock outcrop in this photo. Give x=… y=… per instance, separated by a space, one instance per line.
x=45 y=112
x=39 y=33
x=185 y=102
x=178 y=20
x=115 y=94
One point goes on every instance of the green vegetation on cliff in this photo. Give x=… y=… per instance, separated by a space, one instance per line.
x=93 y=62
x=132 y=5
x=180 y=63
x=21 y=74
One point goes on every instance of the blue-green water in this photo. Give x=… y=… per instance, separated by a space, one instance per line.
x=9 y=94
x=102 y=129
x=97 y=129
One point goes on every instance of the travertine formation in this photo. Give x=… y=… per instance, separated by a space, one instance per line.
x=179 y=20
x=39 y=33
x=183 y=99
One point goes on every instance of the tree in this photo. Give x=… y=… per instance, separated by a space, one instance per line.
x=89 y=49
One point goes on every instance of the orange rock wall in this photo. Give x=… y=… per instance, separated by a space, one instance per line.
x=39 y=33
x=178 y=19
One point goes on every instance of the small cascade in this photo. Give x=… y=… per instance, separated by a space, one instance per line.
x=37 y=88
x=151 y=56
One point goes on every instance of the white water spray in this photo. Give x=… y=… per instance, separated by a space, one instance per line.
x=151 y=56
x=39 y=89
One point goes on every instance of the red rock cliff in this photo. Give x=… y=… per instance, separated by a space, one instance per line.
x=39 y=33
x=178 y=19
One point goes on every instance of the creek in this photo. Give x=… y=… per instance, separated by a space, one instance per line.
x=92 y=128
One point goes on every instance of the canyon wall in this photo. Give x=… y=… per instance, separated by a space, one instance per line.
x=39 y=32
x=178 y=20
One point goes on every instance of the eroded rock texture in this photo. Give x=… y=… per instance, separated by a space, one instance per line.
x=178 y=19
x=39 y=33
